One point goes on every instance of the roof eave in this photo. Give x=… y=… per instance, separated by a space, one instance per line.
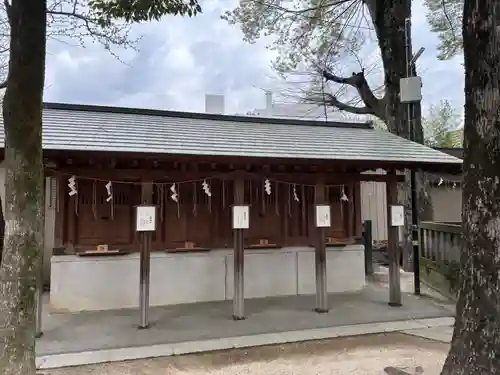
x=431 y=167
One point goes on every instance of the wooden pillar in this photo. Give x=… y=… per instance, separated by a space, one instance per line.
x=349 y=210
x=145 y=260
x=320 y=255
x=60 y=205
x=358 y=224
x=368 y=240
x=71 y=217
x=239 y=256
x=393 y=243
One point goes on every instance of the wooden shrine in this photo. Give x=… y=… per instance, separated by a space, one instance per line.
x=194 y=200
x=104 y=162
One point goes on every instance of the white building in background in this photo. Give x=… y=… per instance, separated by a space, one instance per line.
x=215 y=104
x=309 y=111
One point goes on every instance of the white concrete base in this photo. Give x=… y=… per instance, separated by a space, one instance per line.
x=106 y=283
x=163 y=350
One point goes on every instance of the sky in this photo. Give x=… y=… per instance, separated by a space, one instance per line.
x=179 y=60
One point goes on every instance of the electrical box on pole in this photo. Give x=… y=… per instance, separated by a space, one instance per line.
x=410 y=89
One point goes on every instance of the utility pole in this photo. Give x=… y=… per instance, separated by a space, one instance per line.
x=414 y=121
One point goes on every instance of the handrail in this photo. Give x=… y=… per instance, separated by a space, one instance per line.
x=440 y=242
x=441 y=227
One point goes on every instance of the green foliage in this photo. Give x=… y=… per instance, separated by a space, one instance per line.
x=445 y=19
x=440 y=124
x=141 y=10
x=305 y=33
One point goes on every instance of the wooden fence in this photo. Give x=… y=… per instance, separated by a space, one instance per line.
x=440 y=242
x=440 y=256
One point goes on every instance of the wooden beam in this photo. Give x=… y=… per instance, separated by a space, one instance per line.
x=320 y=255
x=358 y=224
x=239 y=257
x=393 y=245
x=179 y=176
x=241 y=160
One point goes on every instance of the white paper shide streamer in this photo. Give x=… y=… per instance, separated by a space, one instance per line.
x=174 y=196
x=109 y=190
x=267 y=186
x=72 y=186
x=206 y=188
x=343 y=196
x=295 y=196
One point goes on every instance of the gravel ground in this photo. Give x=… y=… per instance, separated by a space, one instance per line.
x=360 y=355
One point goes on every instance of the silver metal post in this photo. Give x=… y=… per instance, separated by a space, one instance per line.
x=238 y=290
x=39 y=312
x=144 y=279
x=39 y=302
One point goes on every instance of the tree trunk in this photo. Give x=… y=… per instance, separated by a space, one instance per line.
x=389 y=20
x=23 y=242
x=475 y=347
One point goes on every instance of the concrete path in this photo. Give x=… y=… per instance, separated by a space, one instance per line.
x=443 y=333
x=97 y=337
x=380 y=354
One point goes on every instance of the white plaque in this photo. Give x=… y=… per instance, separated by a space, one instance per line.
x=241 y=217
x=145 y=219
x=323 y=219
x=397 y=216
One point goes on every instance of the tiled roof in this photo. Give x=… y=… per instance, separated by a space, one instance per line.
x=457 y=152
x=96 y=128
x=434 y=178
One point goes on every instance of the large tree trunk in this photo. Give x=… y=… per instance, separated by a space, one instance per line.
x=23 y=243
x=389 y=20
x=475 y=347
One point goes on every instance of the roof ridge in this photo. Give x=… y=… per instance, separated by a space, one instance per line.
x=205 y=116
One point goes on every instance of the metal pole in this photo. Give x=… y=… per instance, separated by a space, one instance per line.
x=367 y=234
x=395 y=298
x=39 y=283
x=239 y=258
x=410 y=72
x=144 y=279
x=320 y=257
x=39 y=302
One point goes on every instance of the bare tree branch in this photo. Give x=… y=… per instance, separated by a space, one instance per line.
x=333 y=101
x=7 y=9
x=373 y=105
x=89 y=23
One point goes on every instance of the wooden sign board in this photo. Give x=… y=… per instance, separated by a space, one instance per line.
x=145 y=218
x=397 y=216
x=241 y=217
x=323 y=218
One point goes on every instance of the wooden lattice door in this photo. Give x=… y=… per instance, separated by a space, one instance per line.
x=100 y=221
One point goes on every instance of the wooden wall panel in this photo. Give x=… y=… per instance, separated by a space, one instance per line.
x=99 y=221
x=277 y=218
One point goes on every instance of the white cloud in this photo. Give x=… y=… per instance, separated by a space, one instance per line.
x=181 y=59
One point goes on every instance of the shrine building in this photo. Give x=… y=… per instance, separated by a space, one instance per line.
x=101 y=162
